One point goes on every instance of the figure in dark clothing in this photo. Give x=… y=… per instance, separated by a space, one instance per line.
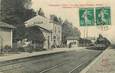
x=70 y=45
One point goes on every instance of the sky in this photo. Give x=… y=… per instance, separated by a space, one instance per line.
x=69 y=9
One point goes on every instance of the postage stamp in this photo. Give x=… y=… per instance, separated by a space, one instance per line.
x=103 y=16
x=86 y=16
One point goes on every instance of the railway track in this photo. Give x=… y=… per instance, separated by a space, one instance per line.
x=75 y=61
x=76 y=69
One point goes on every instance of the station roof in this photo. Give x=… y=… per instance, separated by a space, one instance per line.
x=72 y=38
x=6 y=25
x=40 y=22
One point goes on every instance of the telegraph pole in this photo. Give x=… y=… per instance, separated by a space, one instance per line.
x=0 y=10
x=1 y=40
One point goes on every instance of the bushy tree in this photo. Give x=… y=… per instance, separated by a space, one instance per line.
x=68 y=30
x=76 y=32
x=56 y=19
x=16 y=12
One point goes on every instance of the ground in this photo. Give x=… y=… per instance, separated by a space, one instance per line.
x=64 y=62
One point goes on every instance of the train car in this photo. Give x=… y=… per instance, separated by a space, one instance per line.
x=101 y=43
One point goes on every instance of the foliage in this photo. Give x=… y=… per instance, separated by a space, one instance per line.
x=68 y=30
x=56 y=19
x=16 y=12
x=31 y=34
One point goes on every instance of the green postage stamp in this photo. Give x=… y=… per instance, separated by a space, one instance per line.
x=103 y=16
x=95 y=16
x=86 y=16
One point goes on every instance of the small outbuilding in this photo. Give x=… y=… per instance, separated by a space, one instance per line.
x=6 y=35
x=72 y=41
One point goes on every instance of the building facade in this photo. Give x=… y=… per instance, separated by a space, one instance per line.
x=51 y=31
x=6 y=34
x=47 y=36
x=56 y=35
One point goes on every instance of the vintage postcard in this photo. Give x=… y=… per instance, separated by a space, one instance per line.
x=57 y=36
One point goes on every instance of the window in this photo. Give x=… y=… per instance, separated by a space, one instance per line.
x=54 y=37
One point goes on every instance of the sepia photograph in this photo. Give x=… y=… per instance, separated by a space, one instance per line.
x=57 y=36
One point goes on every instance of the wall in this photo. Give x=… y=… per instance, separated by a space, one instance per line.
x=75 y=43
x=6 y=36
x=47 y=42
x=57 y=34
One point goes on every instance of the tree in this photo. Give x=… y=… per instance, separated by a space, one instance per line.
x=76 y=32
x=68 y=30
x=16 y=12
x=60 y=20
x=54 y=18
